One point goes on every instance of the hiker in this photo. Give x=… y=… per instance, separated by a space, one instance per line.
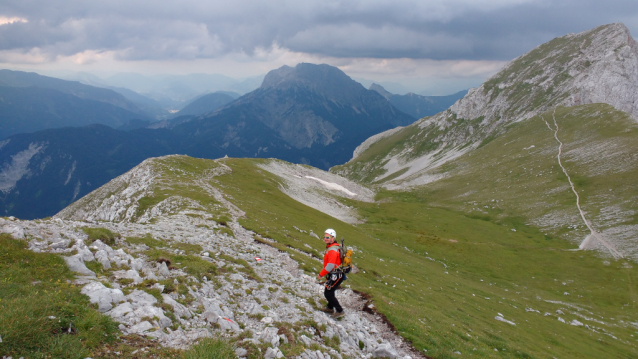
x=331 y=261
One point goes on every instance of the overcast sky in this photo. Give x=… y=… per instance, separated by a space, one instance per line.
x=436 y=47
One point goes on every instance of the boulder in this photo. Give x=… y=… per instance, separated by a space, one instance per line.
x=103 y=296
x=163 y=270
x=84 y=252
x=76 y=264
x=384 y=350
x=14 y=230
x=141 y=327
x=103 y=258
x=273 y=353
x=140 y=298
x=179 y=309
x=241 y=352
x=121 y=310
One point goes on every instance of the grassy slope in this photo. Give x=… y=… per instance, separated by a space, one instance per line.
x=431 y=270
x=38 y=306
x=510 y=178
x=443 y=312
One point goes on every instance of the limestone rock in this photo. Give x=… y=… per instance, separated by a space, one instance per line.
x=273 y=353
x=15 y=230
x=178 y=309
x=76 y=264
x=103 y=296
x=385 y=351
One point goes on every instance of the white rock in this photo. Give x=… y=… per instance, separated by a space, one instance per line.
x=576 y=323
x=273 y=353
x=120 y=310
x=241 y=352
x=140 y=298
x=15 y=230
x=163 y=270
x=141 y=327
x=228 y=324
x=76 y=264
x=102 y=295
x=501 y=319
x=103 y=258
x=385 y=351
x=85 y=253
x=179 y=309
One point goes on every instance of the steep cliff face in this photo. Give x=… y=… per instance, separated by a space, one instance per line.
x=595 y=66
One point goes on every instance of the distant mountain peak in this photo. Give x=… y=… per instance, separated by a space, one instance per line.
x=327 y=80
x=382 y=91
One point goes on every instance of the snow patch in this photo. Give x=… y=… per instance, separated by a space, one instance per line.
x=333 y=186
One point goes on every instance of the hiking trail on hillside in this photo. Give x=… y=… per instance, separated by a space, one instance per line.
x=593 y=234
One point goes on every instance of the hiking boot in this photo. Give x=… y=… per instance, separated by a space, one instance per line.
x=327 y=310
x=337 y=315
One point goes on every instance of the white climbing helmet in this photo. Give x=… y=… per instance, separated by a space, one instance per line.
x=331 y=232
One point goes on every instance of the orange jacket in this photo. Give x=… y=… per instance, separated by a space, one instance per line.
x=331 y=259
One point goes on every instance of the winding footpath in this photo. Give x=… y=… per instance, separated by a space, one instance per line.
x=593 y=233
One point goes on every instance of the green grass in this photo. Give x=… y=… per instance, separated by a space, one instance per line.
x=437 y=307
x=33 y=287
x=147 y=240
x=439 y=272
x=513 y=179
x=102 y=234
x=192 y=264
x=210 y=348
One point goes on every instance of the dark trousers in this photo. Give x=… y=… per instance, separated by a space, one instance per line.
x=333 y=303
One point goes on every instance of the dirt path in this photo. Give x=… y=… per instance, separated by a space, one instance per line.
x=593 y=234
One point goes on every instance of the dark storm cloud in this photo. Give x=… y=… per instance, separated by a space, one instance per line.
x=157 y=30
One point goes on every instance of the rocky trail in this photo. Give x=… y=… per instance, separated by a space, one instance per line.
x=259 y=296
x=593 y=234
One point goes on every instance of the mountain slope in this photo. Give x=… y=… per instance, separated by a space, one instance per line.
x=310 y=113
x=146 y=104
x=419 y=106
x=518 y=175
x=205 y=104
x=31 y=109
x=599 y=65
x=10 y=78
x=447 y=282
x=45 y=171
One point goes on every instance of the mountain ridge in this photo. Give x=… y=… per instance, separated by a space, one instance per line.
x=550 y=75
x=418 y=106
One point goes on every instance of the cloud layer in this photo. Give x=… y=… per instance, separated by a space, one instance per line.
x=186 y=30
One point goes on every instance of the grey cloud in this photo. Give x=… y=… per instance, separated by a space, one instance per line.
x=139 y=30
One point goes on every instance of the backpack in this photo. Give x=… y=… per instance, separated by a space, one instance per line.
x=346 y=257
